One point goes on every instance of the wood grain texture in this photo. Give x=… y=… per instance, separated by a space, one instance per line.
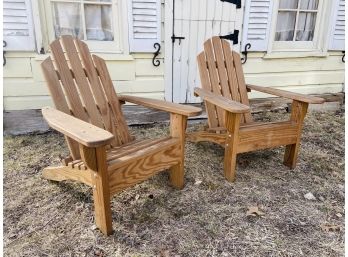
x=185 y=110
x=213 y=76
x=59 y=100
x=231 y=147
x=204 y=76
x=88 y=156
x=298 y=113
x=241 y=84
x=287 y=94
x=101 y=193
x=224 y=103
x=141 y=165
x=204 y=136
x=118 y=152
x=82 y=132
x=66 y=173
x=68 y=83
x=118 y=122
x=177 y=130
x=221 y=68
x=104 y=154
x=82 y=81
x=254 y=138
x=96 y=86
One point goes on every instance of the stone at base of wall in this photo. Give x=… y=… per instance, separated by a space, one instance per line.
x=31 y=121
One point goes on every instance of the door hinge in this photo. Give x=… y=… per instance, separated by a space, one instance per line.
x=236 y=2
x=233 y=37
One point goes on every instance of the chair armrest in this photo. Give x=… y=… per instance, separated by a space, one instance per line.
x=288 y=94
x=81 y=131
x=185 y=110
x=222 y=102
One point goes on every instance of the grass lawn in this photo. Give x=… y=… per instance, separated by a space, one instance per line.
x=207 y=218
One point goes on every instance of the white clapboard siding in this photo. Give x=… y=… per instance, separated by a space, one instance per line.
x=144 y=25
x=257 y=24
x=338 y=27
x=18 y=29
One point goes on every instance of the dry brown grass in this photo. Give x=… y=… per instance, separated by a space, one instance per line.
x=43 y=218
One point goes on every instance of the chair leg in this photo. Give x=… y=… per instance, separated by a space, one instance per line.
x=232 y=122
x=298 y=113
x=230 y=161
x=102 y=209
x=177 y=129
x=290 y=156
x=95 y=159
x=176 y=176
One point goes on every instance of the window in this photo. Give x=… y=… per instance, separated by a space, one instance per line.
x=297 y=24
x=94 y=21
x=296 y=20
x=294 y=28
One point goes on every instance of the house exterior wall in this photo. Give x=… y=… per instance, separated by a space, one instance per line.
x=307 y=75
x=24 y=84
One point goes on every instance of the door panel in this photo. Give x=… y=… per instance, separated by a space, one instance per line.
x=197 y=20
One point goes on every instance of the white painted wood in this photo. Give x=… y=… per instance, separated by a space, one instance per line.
x=18 y=29
x=144 y=18
x=257 y=24
x=337 y=37
x=168 y=50
x=196 y=20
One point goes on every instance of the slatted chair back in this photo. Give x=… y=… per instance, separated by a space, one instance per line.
x=221 y=72
x=80 y=85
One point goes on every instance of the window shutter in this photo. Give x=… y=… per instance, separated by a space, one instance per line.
x=18 y=29
x=257 y=24
x=338 y=27
x=144 y=25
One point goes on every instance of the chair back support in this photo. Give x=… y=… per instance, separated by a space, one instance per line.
x=80 y=85
x=221 y=72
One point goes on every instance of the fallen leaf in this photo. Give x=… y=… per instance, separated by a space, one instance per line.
x=164 y=253
x=330 y=227
x=254 y=211
x=198 y=182
x=338 y=214
x=310 y=196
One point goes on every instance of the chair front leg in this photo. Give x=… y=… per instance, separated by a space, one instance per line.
x=177 y=129
x=95 y=159
x=232 y=124
x=298 y=113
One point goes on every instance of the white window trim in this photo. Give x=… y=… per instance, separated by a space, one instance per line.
x=320 y=42
x=119 y=46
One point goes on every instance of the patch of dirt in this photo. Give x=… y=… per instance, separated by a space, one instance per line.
x=207 y=218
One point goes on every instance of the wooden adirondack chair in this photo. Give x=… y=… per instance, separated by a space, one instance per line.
x=229 y=118
x=104 y=155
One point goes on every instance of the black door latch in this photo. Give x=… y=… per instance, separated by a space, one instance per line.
x=174 y=38
x=236 y=2
x=233 y=37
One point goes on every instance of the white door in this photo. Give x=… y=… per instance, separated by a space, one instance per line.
x=196 y=21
